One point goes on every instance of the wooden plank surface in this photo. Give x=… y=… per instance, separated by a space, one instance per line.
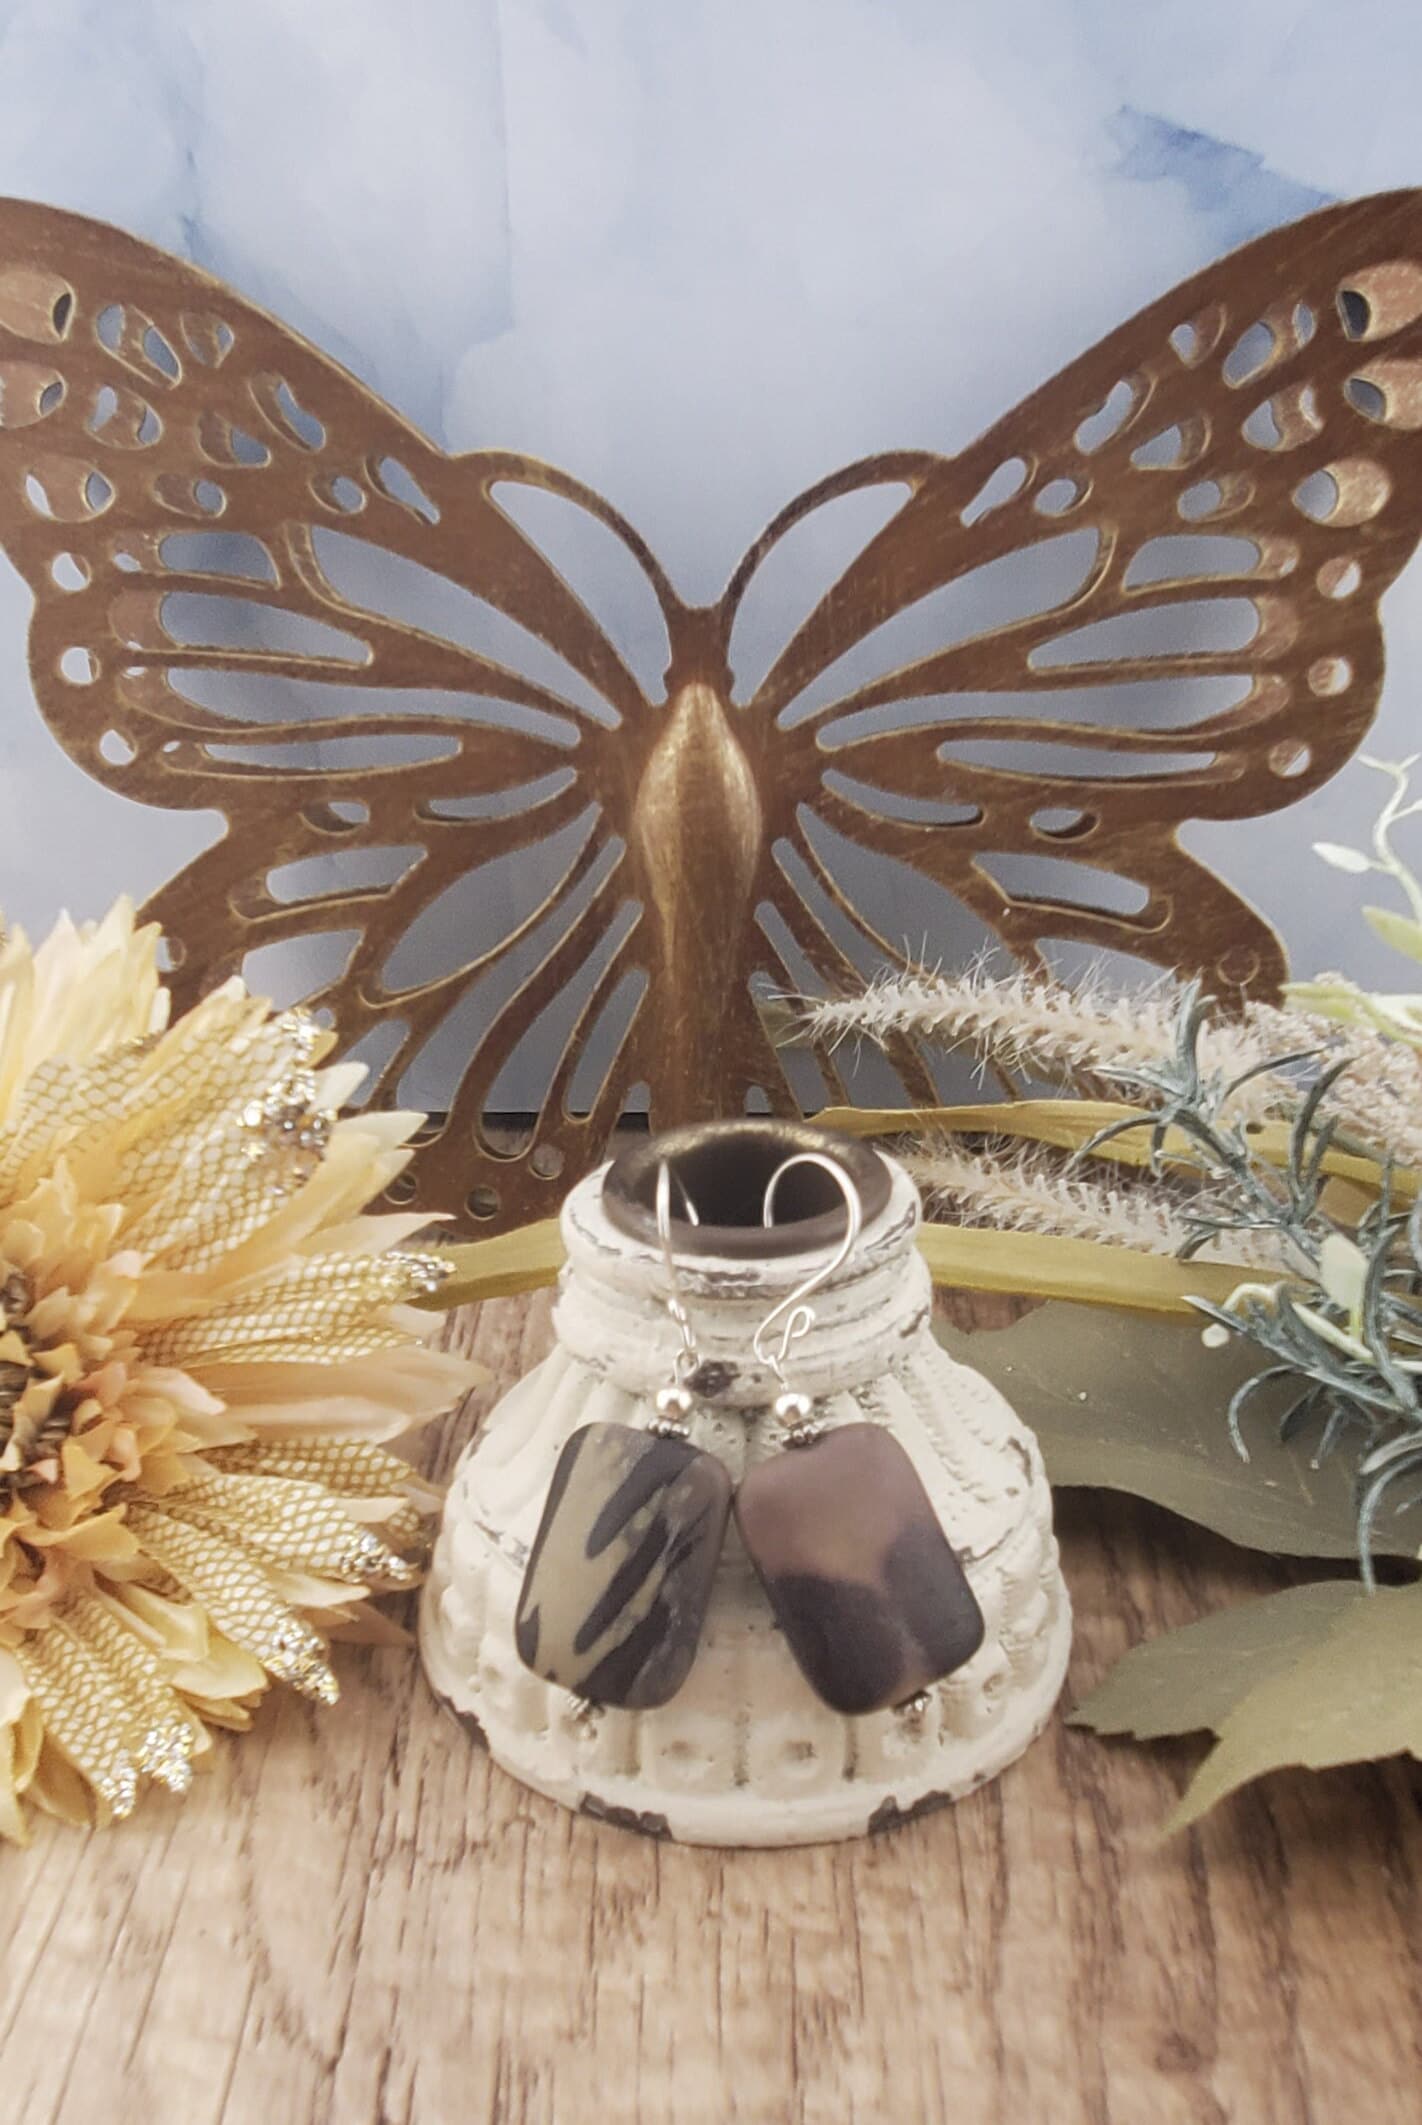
x=357 y=1920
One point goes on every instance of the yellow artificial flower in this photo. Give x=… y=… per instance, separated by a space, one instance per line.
x=204 y=1343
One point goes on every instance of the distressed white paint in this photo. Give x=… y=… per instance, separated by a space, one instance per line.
x=746 y=1754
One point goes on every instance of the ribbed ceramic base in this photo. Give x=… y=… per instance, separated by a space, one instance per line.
x=746 y=1754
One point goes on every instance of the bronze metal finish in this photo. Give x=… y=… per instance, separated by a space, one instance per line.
x=211 y=515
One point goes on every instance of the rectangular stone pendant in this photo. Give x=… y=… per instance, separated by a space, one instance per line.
x=619 y=1576
x=863 y=1581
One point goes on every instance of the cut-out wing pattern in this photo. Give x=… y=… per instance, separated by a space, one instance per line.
x=1148 y=595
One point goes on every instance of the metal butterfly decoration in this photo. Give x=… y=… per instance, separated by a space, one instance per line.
x=210 y=514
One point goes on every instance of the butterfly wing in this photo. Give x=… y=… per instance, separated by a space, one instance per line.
x=259 y=591
x=212 y=515
x=1148 y=595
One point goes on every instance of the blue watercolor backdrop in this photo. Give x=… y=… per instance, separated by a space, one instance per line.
x=699 y=254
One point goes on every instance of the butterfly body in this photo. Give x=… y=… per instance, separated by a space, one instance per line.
x=1147 y=595
x=696 y=814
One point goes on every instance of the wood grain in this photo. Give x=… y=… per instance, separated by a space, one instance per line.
x=357 y=1920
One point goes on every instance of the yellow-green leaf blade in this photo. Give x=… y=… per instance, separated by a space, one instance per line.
x=500 y=1267
x=1047 y=1266
x=1191 y=1679
x=1033 y=1262
x=1137 y=1404
x=1353 y=1695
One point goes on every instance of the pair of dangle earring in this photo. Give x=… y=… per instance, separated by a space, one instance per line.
x=873 y=1603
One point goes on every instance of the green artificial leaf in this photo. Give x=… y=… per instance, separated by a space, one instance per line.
x=1348 y=1692
x=1400 y=931
x=1136 y=1403
x=1192 y=1679
x=1315 y=1676
x=522 y=1260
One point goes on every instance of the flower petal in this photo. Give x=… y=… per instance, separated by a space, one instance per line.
x=375 y=1397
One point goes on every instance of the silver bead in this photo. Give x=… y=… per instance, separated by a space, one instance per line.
x=796 y=1412
x=673 y=1406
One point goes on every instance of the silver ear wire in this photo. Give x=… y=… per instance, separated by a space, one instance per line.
x=674 y=1401
x=796 y=1410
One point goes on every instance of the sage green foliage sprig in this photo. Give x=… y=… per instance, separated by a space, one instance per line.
x=1287 y=1142
x=1343 y=1322
x=1179 y=1094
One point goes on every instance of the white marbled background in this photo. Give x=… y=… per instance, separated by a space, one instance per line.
x=699 y=252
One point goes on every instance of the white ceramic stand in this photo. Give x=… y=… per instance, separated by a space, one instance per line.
x=746 y=1754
